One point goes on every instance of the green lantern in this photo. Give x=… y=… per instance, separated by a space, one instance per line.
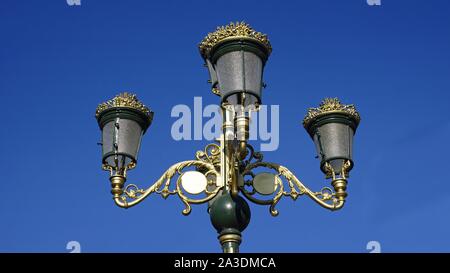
x=235 y=56
x=332 y=126
x=123 y=121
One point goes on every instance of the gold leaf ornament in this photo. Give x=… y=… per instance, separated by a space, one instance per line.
x=238 y=30
x=125 y=99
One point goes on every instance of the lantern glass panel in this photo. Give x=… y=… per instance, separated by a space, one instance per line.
x=240 y=72
x=334 y=143
x=121 y=142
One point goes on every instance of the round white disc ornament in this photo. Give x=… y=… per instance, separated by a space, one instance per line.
x=193 y=182
x=265 y=183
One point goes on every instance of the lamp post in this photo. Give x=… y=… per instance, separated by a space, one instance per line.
x=225 y=174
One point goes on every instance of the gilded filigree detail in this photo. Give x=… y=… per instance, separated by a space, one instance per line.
x=124 y=100
x=133 y=195
x=210 y=154
x=330 y=105
x=326 y=197
x=233 y=30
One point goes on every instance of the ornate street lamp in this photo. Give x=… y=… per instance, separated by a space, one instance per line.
x=225 y=174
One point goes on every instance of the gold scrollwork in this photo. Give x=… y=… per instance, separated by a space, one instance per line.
x=133 y=191
x=162 y=186
x=210 y=154
x=118 y=171
x=253 y=155
x=325 y=198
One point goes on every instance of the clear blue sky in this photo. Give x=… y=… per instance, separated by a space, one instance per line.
x=58 y=62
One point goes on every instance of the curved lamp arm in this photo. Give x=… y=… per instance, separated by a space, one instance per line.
x=161 y=186
x=325 y=198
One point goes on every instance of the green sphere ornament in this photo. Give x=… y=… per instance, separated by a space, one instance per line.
x=230 y=214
